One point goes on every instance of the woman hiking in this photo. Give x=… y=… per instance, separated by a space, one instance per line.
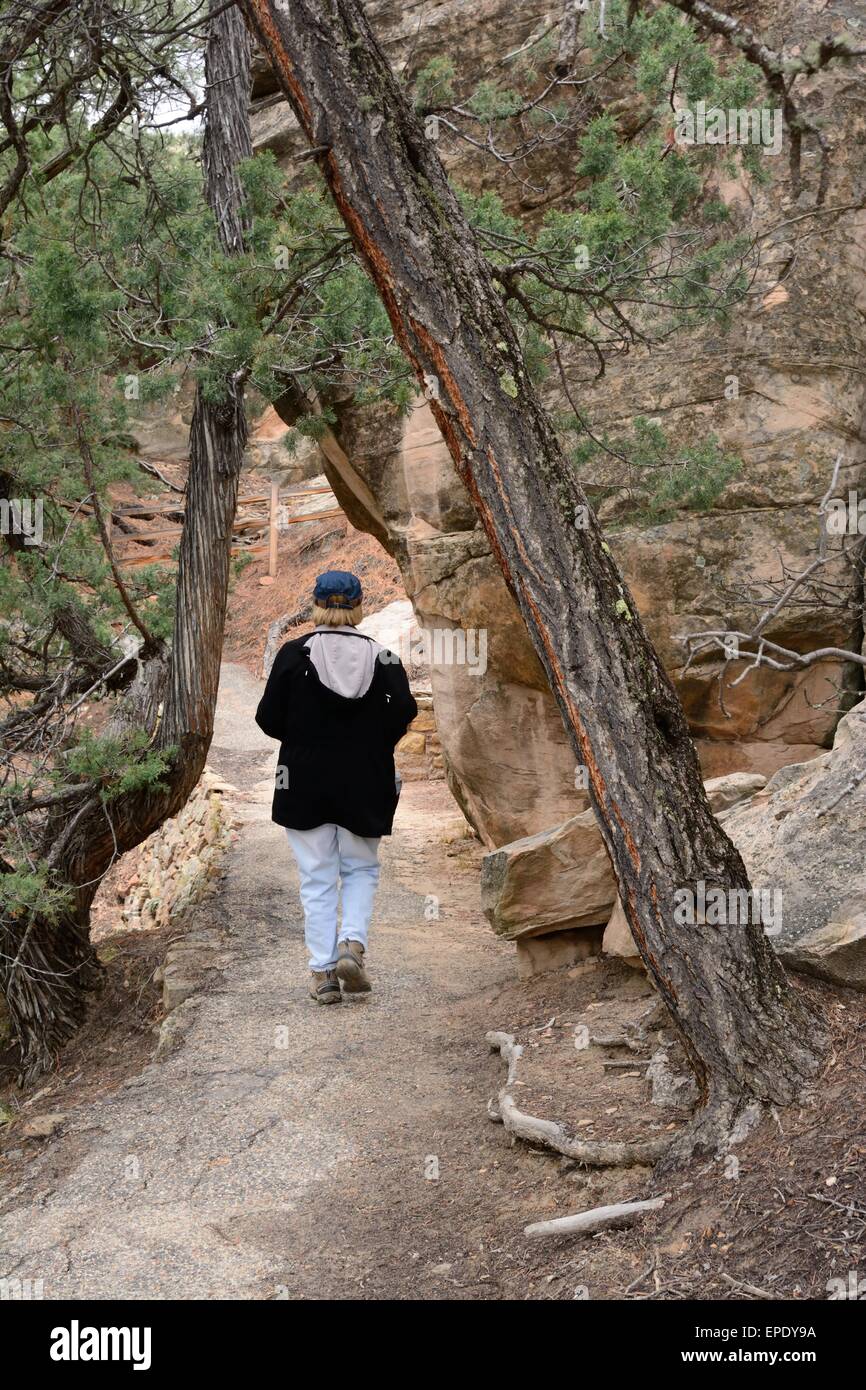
x=339 y=703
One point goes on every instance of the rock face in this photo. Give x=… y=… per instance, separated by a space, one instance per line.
x=473 y=36
x=804 y=836
x=161 y=433
x=267 y=452
x=561 y=880
x=419 y=752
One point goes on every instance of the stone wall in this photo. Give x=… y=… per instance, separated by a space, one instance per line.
x=419 y=753
x=175 y=866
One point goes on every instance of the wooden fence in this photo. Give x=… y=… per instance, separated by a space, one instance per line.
x=258 y=521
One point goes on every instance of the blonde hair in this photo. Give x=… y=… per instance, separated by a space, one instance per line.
x=337 y=617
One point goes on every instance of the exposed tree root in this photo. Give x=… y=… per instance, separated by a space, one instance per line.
x=595 y=1154
x=586 y=1223
x=712 y=1131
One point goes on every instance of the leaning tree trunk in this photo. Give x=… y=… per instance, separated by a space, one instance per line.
x=47 y=966
x=748 y=1036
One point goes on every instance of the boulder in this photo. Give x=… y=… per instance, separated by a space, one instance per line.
x=734 y=787
x=618 y=940
x=268 y=453
x=561 y=880
x=555 y=881
x=836 y=952
x=804 y=837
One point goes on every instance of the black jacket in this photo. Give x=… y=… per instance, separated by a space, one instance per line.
x=336 y=763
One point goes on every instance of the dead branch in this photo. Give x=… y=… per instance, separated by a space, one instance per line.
x=759 y=650
x=751 y=1289
x=586 y=1223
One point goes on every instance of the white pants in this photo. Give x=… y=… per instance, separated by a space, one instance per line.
x=326 y=855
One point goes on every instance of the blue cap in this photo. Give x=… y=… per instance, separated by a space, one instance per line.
x=337 y=589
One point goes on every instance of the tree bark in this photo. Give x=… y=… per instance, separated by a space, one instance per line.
x=47 y=967
x=747 y=1035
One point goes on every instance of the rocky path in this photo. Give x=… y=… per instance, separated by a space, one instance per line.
x=281 y=1149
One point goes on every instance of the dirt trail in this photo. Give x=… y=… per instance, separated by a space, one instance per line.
x=289 y=1151
x=285 y=1150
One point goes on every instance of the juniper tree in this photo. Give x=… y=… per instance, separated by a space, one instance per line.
x=71 y=805
x=124 y=271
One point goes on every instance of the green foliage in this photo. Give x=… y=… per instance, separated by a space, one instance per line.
x=116 y=765
x=694 y=479
x=664 y=479
x=434 y=84
x=663 y=42
x=490 y=102
x=31 y=890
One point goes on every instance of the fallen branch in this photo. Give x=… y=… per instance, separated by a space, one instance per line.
x=650 y=1269
x=599 y=1153
x=586 y=1223
x=152 y=469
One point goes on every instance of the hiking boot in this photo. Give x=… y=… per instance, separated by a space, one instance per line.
x=325 y=987
x=350 y=968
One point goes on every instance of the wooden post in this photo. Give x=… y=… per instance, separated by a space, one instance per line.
x=272 y=530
